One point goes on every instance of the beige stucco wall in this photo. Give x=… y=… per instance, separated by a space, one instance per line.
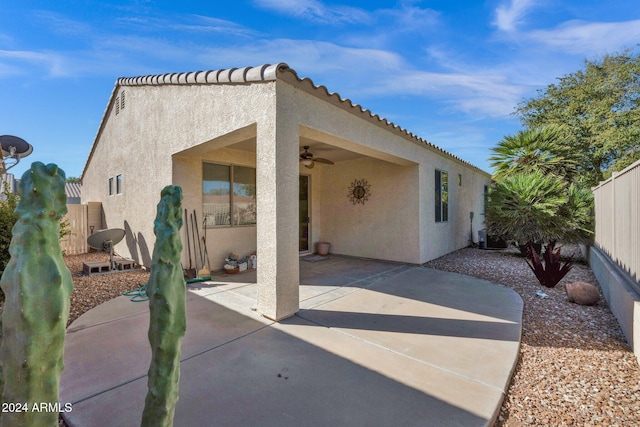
x=386 y=225
x=398 y=222
x=440 y=238
x=140 y=141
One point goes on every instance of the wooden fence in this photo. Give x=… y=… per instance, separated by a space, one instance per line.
x=617 y=209
x=82 y=219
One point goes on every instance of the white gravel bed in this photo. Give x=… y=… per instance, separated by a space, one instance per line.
x=575 y=366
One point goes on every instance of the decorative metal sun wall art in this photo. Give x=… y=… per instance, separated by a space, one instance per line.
x=359 y=191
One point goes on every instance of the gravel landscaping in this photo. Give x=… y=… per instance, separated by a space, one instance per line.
x=575 y=367
x=91 y=291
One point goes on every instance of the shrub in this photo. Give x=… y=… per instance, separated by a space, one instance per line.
x=526 y=207
x=8 y=219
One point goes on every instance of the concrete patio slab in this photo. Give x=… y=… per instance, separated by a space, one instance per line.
x=394 y=345
x=418 y=315
x=113 y=353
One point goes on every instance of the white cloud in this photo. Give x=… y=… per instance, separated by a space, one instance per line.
x=511 y=14
x=361 y=73
x=314 y=10
x=308 y=57
x=580 y=37
x=20 y=62
x=62 y=25
x=479 y=94
x=108 y=56
x=189 y=24
x=409 y=18
x=209 y=24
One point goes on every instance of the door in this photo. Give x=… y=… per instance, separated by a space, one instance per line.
x=304 y=217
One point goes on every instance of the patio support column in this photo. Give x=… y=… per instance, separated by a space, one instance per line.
x=278 y=275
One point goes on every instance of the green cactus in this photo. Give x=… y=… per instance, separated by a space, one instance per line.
x=167 y=303
x=37 y=287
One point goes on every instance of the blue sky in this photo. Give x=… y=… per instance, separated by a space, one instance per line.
x=451 y=72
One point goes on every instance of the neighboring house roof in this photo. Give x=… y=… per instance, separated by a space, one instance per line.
x=11 y=181
x=73 y=189
x=264 y=73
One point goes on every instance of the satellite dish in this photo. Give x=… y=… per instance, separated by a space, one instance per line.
x=13 y=148
x=103 y=240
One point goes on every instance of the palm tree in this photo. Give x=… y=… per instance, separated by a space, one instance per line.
x=526 y=207
x=534 y=199
x=544 y=149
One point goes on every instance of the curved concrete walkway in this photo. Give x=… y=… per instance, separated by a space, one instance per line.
x=374 y=344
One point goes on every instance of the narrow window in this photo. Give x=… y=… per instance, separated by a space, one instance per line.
x=441 y=196
x=486 y=199
x=445 y=196
x=117 y=106
x=122 y=100
x=459 y=180
x=111 y=186
x=119 y=184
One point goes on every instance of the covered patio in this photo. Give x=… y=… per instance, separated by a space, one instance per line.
x=292 y=207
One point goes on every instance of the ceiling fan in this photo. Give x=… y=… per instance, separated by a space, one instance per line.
x=307 y=159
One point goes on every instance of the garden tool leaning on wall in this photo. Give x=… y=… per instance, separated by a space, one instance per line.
x=203 y=272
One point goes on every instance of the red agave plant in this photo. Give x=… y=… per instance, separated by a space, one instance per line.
x=553 y=270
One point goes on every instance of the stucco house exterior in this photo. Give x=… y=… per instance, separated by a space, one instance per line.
x=233 y=138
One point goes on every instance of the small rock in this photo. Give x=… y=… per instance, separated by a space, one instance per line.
x=583 y=293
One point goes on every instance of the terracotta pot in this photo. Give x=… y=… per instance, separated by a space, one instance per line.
x=322 y=248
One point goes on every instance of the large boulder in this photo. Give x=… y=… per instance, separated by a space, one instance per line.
x=583 y=293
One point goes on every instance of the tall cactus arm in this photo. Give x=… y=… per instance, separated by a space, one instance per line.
x=37 y=287
x=167 y=305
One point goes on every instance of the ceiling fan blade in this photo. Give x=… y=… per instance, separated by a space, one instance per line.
x=321 y=160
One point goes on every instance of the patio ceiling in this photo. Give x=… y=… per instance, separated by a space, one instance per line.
x=319 y=149
x=321 y=144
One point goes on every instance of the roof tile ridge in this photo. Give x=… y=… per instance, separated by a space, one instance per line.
x=265 y=72
x=211 y=76
x=225 y=75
